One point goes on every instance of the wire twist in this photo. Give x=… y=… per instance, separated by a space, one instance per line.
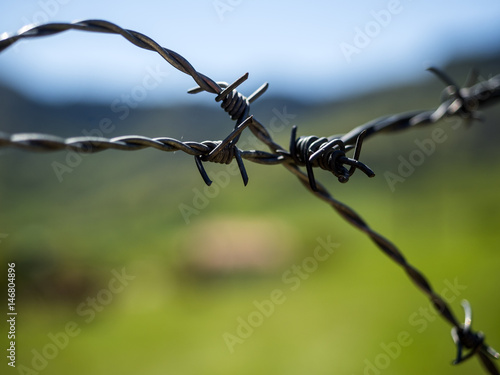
x=235 y=104
x=328 y=154
x=464 y=337
x=237 y=107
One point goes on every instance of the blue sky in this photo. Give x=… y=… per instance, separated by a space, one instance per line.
x=314 y=49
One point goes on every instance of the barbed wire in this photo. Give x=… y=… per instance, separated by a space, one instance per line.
x=328 y=153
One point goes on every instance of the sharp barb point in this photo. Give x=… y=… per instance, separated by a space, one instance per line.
x=201 y=169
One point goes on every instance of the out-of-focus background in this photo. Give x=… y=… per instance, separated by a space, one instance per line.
x=126 y=263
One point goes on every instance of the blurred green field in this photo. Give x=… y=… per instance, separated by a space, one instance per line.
x=355 y=312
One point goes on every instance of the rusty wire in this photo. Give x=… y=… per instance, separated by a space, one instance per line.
x=309 y=151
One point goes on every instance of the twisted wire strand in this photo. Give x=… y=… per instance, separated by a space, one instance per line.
x=461 y=102
x=476 y=344
x=234 y=103
x=134 y=37
x=89 y=145
x=329 y=153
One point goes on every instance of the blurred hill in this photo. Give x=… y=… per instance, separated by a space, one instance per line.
x=20 y=114
x=152 y=185
x=147 y=174
x=208 y=122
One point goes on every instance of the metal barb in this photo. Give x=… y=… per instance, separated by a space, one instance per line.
x=258 y=93
x=234 y=103
x=464 y=337
x=472 y=78
x=234 y=134
x=456 y=101
x=231 y=87
x=225 y=146
x=328 y=154
x=442 y=76
x=201 y=169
